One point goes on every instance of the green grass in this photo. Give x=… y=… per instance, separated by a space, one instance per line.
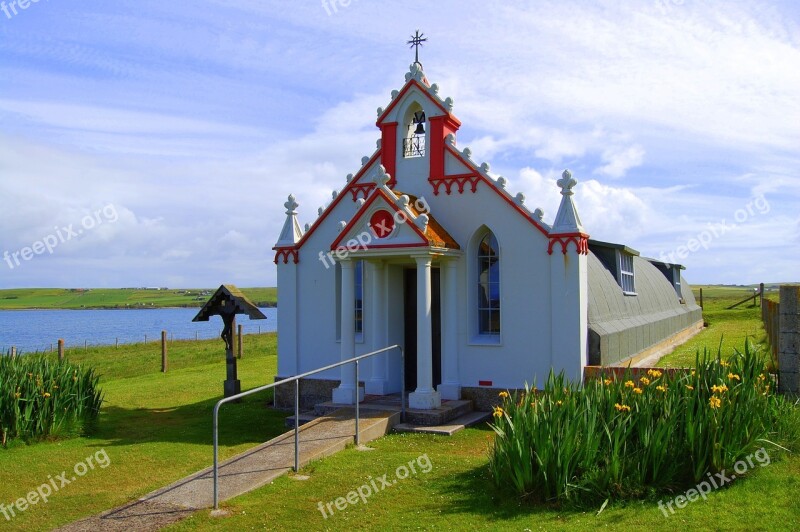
x=43 y=398
x=154 y=427
x=66 y=298
x=457 y=495
x=729 y=327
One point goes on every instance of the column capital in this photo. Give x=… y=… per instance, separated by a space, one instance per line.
x=424 y=261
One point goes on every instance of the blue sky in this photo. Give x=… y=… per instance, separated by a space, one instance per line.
x=167 y=135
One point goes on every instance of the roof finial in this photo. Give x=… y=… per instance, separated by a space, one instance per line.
x=416 y=41
x=566 y=183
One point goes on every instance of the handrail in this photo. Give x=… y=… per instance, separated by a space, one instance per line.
x=296 y=380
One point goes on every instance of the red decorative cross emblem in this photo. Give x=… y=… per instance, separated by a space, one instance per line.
x=381 y=223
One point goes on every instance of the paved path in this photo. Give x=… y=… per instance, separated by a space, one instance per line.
x=240 y=474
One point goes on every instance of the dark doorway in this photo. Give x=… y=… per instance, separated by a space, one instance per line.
x=410 y=320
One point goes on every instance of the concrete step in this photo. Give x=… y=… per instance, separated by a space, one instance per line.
x=305 y=417
x=448 y=429
x=449 y=410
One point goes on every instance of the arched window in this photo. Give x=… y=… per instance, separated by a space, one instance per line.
x=488 y=286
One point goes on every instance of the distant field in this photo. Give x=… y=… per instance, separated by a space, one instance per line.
x=77 y=298
x=726 y=327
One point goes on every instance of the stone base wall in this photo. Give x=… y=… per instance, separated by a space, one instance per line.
x=312 y=392
x=485 y=399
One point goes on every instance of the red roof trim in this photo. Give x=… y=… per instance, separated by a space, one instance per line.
x=412 y=82
x=360 y=213
x=335 y=202
x=493 y=186
x=286 y=253
x=581 y=241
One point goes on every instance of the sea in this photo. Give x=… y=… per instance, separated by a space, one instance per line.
x=39 y=330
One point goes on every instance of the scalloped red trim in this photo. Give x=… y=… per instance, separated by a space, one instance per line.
x=285 y=253
x=580 y=240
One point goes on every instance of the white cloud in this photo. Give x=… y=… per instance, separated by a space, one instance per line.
x=196 y=124
x=618 y=162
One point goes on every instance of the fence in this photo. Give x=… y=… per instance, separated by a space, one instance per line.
x=165 y=339
x=782 y=324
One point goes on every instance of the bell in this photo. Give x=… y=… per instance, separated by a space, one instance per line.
x=420 y=129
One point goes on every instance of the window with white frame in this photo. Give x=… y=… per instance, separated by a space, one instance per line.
x=359 y=290
x=488 y=281
x=626 y=277
x=358 y=284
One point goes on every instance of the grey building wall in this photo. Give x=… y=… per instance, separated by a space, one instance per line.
x=621 y=326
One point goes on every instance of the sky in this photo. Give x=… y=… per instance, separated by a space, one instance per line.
x=152 y=143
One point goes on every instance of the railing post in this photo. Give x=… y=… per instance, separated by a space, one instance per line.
x=358 y=438
x=216 y=456
x=402 y=386
x=296 y=380
x=296 y=425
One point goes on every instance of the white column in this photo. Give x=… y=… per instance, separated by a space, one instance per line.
x=345 y=393
x=450 y=388
x=425 y=397
x=378 y=384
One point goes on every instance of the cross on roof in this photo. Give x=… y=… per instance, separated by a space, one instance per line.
x=416 y=41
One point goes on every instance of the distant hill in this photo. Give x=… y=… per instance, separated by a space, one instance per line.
x=121 y=298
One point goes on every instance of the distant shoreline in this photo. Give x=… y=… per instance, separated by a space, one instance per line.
x=259 y=305
x=121 y=298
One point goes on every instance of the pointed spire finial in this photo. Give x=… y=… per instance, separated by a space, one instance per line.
x=566 y=183
x=291 y=205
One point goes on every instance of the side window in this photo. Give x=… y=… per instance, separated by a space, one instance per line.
x=358 y=274
x=626 y=277
x=359 y=289
x=488 y=285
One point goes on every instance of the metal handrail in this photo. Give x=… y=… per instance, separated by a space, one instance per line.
x=296 y=380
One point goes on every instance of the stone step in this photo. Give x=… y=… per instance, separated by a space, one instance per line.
x=305 y=417
x=448 y=429
x=448 y=411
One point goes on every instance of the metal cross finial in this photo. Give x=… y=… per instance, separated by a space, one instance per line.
x=416 y=41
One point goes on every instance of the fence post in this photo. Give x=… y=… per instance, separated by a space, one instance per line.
x=701 y=298
x=60 y=349
x=239 y=342
x=789 y=351
x=761 y=295
x=163 y=351
x=13 y=352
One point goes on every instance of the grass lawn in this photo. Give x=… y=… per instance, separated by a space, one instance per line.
x=731 y=327
x=457 y=494
x=63 y=298
x=156 y=428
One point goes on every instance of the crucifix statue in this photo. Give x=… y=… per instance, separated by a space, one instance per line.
x=227 y=302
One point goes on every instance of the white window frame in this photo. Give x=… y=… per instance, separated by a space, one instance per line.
x=477 y=337
x=627 y=276
x=338 y=300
